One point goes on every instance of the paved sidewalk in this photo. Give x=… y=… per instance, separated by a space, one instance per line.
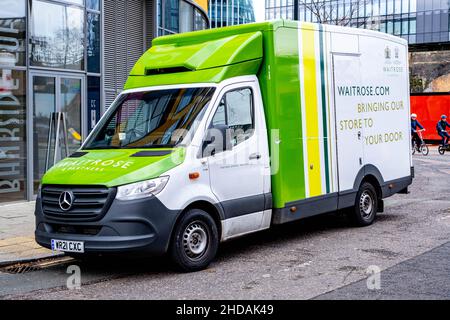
x=17 y=234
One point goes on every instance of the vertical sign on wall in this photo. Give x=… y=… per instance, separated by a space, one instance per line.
x=12 y=102
x=93 y=114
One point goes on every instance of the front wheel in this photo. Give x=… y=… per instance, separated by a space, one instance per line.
x=441 y=150
x=366 y=206
x=424 y=149
x=195 y=241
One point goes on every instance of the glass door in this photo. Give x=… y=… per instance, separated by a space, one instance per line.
x=57 y=113
x=44 y=106
x=71 y=107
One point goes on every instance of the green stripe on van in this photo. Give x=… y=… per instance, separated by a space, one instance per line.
x=324 y=110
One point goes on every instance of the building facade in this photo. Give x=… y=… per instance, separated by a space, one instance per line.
x=224 y=13
x=62 y=62
x=418 y=21
x=425 y=24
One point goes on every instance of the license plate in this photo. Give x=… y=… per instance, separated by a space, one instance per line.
x=68 y=246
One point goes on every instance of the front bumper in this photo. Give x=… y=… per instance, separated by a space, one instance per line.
x=128 y=226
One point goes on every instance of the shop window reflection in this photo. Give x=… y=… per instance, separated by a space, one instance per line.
x=56 y=36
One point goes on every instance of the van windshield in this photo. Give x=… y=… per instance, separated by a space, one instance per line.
x=153 y=119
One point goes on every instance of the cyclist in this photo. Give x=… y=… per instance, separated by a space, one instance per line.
x=442 y=130
x=415 y=124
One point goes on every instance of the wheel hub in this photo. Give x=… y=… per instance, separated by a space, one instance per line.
x=195 y=240
x=366 y=204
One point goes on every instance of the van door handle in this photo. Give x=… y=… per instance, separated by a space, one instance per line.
x=255 y=156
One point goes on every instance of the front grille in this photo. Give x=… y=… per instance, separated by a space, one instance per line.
x=74 y=229
x=89 y=203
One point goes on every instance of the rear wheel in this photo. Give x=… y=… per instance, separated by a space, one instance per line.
x=366 y=206
x=195 y=241
x=441 y=150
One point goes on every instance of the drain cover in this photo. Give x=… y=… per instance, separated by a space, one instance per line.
x=26 y=267
x=19 y=269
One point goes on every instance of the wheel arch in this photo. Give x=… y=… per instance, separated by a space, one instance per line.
x=214 y=210
x=375 y=183
x=371 y=174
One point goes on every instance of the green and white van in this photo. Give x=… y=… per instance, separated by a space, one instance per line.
x=225 y=132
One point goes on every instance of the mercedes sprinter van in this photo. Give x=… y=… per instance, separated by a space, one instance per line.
x=225 y=132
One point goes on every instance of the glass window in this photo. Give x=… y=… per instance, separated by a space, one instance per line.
x=12 y=32
x=200 y=22
x=383 y=7
x=397 y=27
x=390 y=7
x=428 y=22
x=398 y=6
x=70 y=95
x=13 y=156
x=376 y=7
x=172 y=15
x=155 y=119
x=93 y=42
x=93 y=4
x=79 y=2
x=412 y=5
x=412 y=26
x=368 y=9
x=405 y=26
x=186 y=17
x=390 y=27
x=422 y=5
x=44 y=108
x=236 y=112
x=405 y=6
x=57 y=36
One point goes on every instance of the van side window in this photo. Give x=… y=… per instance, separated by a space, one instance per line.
x=237 y=112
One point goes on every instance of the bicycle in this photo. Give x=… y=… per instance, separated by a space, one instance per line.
x=443 y=148
x=422 y=148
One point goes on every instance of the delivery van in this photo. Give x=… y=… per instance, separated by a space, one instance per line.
x=225 y=132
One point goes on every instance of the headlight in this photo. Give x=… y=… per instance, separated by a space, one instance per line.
x=142 y=189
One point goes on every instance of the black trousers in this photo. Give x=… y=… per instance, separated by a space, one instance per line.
x=445 y=137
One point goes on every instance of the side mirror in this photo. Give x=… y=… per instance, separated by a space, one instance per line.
x=217 y=140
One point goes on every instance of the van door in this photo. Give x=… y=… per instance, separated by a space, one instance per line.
x=349 y=124
x=238 y=175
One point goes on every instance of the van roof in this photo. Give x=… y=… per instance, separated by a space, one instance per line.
x=214 y=54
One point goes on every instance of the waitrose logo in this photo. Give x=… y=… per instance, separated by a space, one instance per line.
x=93 y=165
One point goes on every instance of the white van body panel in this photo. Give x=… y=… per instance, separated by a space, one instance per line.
x=376 y=135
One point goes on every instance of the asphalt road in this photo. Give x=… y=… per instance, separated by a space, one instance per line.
x=320 y=258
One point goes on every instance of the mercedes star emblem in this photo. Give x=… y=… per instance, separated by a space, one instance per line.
x=66 y=200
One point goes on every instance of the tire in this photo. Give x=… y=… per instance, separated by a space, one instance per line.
x=195 y=241
x=441 y=150
x=413 y=151
x=424 y=149
x=366 y=206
